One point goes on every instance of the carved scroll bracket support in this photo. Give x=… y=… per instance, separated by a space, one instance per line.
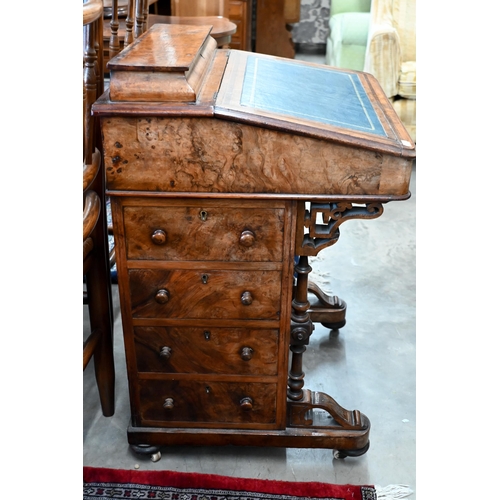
x=321 y=222
x=318 y=228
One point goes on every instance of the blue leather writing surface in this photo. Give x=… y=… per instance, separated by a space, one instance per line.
x=327 y=95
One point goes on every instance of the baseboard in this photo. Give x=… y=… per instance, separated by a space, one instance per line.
x=311 y=48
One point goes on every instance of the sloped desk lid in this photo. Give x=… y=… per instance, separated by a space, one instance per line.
x=177 y=70
x=313 y=99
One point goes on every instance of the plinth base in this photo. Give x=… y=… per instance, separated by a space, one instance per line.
x=348 y=442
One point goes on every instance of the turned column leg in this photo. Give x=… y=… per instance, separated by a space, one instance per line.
x=301 y=329
x=302 y=402
x=296 y=375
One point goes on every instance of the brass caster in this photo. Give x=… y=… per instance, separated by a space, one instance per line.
x=155 y=456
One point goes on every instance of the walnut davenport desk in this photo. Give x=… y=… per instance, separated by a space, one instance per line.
x=226 y=170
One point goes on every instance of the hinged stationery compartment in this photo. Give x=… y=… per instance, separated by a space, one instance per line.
x=168 y=63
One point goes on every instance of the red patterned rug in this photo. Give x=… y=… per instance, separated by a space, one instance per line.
x=110 y=484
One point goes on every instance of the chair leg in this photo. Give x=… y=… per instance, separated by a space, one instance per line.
x=105 y=374
x=101 y=319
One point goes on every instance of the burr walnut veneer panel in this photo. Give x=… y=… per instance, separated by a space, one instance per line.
x=216 y=156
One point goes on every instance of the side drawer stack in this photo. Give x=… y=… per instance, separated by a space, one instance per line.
x=203 y=286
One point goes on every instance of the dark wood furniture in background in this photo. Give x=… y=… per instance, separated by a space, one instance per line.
x=221 y=173
x=273 y=31
x=273 y=19
x=99 y=343
x=240 y=13
x=222 y=28
x=199 y=7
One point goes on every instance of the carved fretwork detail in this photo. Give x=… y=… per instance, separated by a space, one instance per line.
x=326 y=233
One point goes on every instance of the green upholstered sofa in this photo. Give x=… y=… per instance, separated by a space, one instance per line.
x=349 y=24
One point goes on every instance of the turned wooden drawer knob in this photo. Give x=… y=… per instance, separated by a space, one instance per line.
x=168 y=404
x=247 y=238
x=166 y=352
x=246 y=404
x=246 y=298
x=159 y=237
x=162 y=296
x=246 y=353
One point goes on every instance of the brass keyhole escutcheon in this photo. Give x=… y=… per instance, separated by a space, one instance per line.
x=247 y=238
x=204 y=278
x=162 y=296
x=168 y=404
x=206 y=333
x=246 y=298
x=159 y=237
x=203 y=215
x=246 y=353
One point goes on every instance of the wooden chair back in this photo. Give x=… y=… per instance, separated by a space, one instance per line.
x=93 y=75
x=124 y=21
x=134 y=20
x=99 y=344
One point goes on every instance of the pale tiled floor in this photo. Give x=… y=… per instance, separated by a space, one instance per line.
x=368 y=365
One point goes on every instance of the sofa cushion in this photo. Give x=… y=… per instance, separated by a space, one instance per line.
x=351 y=28
x=346 y=43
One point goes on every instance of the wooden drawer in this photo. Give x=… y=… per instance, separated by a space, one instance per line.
x=206 y=350
x=239 y=12
x=177 y=402
x=212 y=233
x=211 y=293
x=236 y=9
